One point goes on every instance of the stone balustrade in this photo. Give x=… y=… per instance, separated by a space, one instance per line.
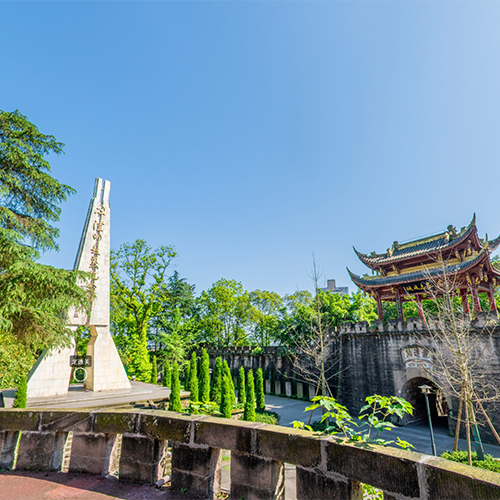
x=134 y=445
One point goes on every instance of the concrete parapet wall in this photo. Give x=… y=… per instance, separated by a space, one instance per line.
x=326 y=467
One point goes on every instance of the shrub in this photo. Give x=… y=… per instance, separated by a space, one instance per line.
x=22 y=393
x=175 y=394
x=249 y=413
x=241 y=385
x=193 y=378
x=267 y=417
x=187 y=377
x=167 y=375
x=261 y=399
x=215 y=388
x=204 y=378
x=489 y=462
x=154 y=371
x=225 y=400
x=227 y=371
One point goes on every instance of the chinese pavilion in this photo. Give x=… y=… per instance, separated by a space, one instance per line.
x=403 y=272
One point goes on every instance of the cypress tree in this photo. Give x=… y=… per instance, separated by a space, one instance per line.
x=249 y=413
x=227 y=372
x=261 y=399
x=167 y=374
x=22 y=393
x=175 y=393
x=241 y=385
x=215 y=388
x=204 y=378
x=193 y=382
x=154 y=371
x=225 y=399
x=187 y=377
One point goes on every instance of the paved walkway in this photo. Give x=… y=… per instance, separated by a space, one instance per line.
x=19 y=485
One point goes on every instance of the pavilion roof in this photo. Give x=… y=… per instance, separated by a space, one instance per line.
x=419 y=275
x=431 y=244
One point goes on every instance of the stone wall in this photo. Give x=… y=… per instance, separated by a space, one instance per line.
x=326 y=468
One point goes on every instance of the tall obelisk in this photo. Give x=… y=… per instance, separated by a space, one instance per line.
x=51 y=374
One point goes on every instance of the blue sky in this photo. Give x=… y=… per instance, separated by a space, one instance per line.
x=251 y=135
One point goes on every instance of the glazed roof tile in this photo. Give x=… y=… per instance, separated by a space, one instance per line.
x=421 y=246
x=416 y=275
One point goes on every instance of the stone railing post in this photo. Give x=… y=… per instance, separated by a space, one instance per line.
x=8 y=443
x=256 y=478
x=142 y=458
x=93 y=453
x=197 y=469
x=314 y=484
x=41 y=450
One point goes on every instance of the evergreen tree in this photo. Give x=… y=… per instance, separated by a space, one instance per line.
x=204 y=378
x=175 y=393
x=227 y=372
x=215 y=387
x=154 y=371
x=261 y=399
x=187 y=377
x=22 y=393
x=167 y=374
x=241 y=385
x=225 y=400
x=193 y=378
x=249 y=413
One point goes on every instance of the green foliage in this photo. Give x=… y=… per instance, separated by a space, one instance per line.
x=227 y=371
x=489 y=462
x=267 y=417
x=216 y=383
x=22 y=393
x=154 y=371
x=32 y=295
x=209 y=408
x=225 y=314
x=175 y=394
x=15 y=360
x=187 y=377
x=249 y=413
x=374 y=414
x=167 y=374
x=372 y=493
x=204 y=378
x=137 y=283
x=241 y=385
x=225 y=400
x=261 y=399
x=193 y=378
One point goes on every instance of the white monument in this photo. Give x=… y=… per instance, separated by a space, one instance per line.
x=50 y=376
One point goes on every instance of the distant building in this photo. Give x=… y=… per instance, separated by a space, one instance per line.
x=332 y=288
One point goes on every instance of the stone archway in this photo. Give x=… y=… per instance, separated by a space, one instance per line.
x=437 y=402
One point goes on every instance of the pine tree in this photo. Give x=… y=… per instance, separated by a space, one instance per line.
x=225 y=400
x=249 y=413
x=204 y=378
x=154 y=371
x=215 y=387
x=167 y=374
x=227 y=372
x=22 y=393
x=241 y=385
x=193 y=376
x=261 y=399
x=175 y=393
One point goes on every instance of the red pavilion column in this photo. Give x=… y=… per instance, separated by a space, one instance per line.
x=491 y=297
x=379 y=306
x=465 y=301
x=475 y=297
